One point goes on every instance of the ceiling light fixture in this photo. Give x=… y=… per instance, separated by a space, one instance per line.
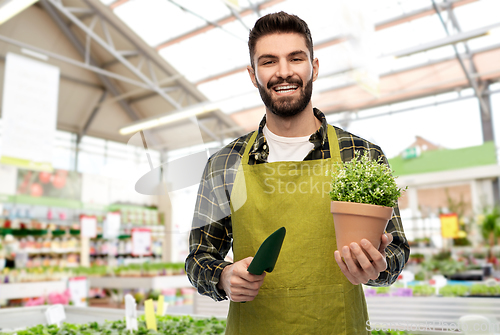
x=170 y=118
x=10 y=8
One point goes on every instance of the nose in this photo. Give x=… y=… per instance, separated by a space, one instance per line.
x=284 y=69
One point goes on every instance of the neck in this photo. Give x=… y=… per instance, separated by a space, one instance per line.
x=302 y=124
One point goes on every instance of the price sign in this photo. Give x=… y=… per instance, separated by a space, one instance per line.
x=449 y=225
x=88 y=226
x=141 y=242
x=112 y=225
x=78 y=289
x=55 y=315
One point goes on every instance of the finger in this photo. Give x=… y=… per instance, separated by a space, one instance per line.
x=378 y=259
x=241 y=283
x=353 y=266
x=385 y=241
x=344 y=268
x=368 y=268
x=253 y=278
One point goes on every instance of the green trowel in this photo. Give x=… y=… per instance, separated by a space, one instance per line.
x=268 y=253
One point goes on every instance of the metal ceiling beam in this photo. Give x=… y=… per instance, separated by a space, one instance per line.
x=209 y=27
x=337 y=39
x=110 y=86
x=409 y=109
x=215 y=24
x=419 y=13
x=323 y=44
x=71 y=79
x=71 y=61
x=473 y=82
x=148 y=54
x=109 y=48
x=91 y=117
x=448 y=40
x=139 y=48
x=410 y=68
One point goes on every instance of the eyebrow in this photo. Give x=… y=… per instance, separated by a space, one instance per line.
x=293 y=53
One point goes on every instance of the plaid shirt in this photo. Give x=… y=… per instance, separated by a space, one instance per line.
x=211 y=236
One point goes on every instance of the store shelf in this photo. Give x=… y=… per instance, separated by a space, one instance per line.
x=150 y=283
x=51 y=252
x=435 y=312
x=30 y=290
x=13 y=318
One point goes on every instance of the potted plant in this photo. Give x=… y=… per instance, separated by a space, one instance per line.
x=490 y=229
x=363 y=195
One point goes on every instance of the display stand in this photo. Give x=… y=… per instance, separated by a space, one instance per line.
x=31 y=290
x=147 y=283
x=13 y=318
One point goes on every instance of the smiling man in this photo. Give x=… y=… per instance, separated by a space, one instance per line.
x=268 y=179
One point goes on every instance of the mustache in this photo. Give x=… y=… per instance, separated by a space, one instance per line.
x=282 y=81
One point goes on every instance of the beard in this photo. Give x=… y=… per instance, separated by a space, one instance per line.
x=286 y=106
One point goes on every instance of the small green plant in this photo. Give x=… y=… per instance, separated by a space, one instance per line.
x=365 y=181
x=423 y=290
x=454 y=290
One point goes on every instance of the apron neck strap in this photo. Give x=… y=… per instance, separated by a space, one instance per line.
x=332 y=141
x=334 y=144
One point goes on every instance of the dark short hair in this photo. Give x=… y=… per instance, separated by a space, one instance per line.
x=280 y=22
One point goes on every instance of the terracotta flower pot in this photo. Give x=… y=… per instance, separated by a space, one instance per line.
x=355 y=221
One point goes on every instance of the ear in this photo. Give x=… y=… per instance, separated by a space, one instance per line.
x=315 y=64
x=251 y=72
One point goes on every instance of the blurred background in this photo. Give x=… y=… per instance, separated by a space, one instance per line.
x=82 y=188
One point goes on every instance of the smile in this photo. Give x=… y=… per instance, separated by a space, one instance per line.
x=285 y=89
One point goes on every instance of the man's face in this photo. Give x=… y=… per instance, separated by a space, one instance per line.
x=283 y=73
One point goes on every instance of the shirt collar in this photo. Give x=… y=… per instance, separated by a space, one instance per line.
x=260 y=149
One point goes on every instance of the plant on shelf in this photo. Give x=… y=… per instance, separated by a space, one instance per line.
x=363 y=194
x=423 y=290
x=490 y=229
x=454 y=290
x=460 y=207
x=442 y=263
x=485 y=290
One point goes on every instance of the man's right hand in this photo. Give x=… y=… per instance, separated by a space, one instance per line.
x=239 y=284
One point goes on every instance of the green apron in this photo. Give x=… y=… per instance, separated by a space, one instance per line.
x=306 y=293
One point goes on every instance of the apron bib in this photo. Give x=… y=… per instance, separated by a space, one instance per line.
x=307 y=293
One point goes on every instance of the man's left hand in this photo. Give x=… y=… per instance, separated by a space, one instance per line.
x=361 y=269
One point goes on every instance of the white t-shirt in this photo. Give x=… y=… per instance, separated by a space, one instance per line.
x=287 y=148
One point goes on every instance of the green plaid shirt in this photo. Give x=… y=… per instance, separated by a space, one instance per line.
x=211 y=236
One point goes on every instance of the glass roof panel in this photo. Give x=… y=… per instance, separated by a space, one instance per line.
x=208 y=54
x=485 y=41
x=333 y=59
x=226 y=87
x=478 y=14
x=164 y=20
x=211 y=10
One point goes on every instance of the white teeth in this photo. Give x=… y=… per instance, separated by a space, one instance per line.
x=285 y=88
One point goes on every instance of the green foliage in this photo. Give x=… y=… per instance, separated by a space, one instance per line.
x=366 y=181
x=485 y=290
x=442 y=263
x=423 y=290
x=383 y=290
x=168 y=325
x=389 y=332
x=454 y=290
x=447 y=267
x=491 y=224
